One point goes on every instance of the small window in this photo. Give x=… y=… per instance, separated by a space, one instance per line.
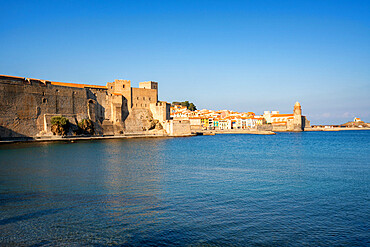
x=136 y=105
x=143 y=98
x=44 y=101
x=137 y=98
x=111 y=87
x=150 y=98
x=123 y=86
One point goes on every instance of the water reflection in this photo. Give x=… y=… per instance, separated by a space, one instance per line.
x=286 y=189
x=132 y=174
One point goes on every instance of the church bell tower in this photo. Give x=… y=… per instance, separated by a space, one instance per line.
x=297 y=121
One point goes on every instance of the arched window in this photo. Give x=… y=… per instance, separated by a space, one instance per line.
x=91 y=109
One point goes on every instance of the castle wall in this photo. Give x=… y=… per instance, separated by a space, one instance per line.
x=23 y=104
x=100 y=99
x=178 y=127
x=290 y=125
x=98 y=107
x=279 y=128
x=265 y=127
x=27 y=106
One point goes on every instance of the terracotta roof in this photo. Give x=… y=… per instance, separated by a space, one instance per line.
x=95 y=86
x=9 y=76
x=65 y=84
x=282 y=115
x=78 y=85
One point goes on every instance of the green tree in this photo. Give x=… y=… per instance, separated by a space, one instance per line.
x=59 y=125
x=59 y=120
x=186 y=103
x=192 y=107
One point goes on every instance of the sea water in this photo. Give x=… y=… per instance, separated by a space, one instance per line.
x=289 y=189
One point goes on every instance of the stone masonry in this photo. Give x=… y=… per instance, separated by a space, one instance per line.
x=27 y=105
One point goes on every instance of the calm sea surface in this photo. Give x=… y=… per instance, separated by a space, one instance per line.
x=291 y=189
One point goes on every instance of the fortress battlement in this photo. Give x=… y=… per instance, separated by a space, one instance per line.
x=27 y=105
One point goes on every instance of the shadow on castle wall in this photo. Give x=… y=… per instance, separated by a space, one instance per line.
x=8 y=134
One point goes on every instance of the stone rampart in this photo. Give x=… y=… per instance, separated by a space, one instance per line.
x=23 y=104
x=27 y=106
x=178 y=127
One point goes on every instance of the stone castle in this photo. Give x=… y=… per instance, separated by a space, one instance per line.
x=27 y=106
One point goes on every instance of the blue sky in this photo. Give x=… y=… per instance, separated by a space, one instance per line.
x=237 y=55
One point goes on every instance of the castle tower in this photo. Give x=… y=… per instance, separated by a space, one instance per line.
x=150 y=85
x=297 y=121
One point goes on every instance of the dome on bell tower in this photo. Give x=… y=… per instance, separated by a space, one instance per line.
x=297 y=104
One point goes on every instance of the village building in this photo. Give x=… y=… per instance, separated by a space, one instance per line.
x=224 y=119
